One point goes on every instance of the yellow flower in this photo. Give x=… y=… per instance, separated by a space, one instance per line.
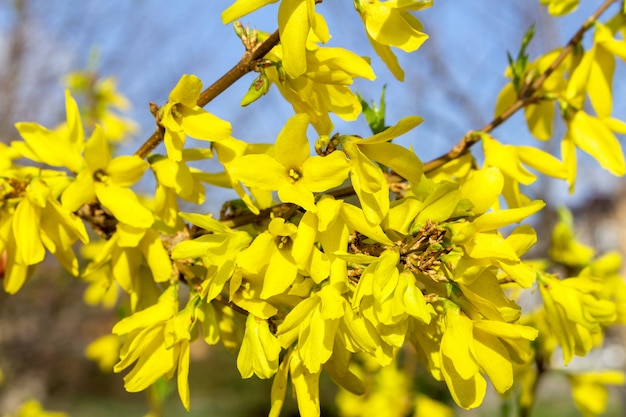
x=367 y=177
x=108 y=179
x=217 y=250
x=314 y=323
x=296 y=18
x=125 y=254
x=61 y=147
x=182 y=117
x=178 y=175
x=97 y=174
x=590 y=392
x=270 y=256
x=389 y=23
x=292 y=171
x=101 y=97
x=157 y=342
x=228 y=150
x=488 y=346
x=324 y=87
x=34 y=221
x=105 y=350
x=305 y=385
x=574 y=312
x=259 y=350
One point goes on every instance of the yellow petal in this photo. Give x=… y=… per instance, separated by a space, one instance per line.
x=279 y=275
x=542 y=161
x=279 y=386
x=506 y=98
x=490 y=183
x=494 y=360
x=403 y=126
x=457 y=345
x=186 y=90
x=356 y=220
x=126 y=170
x=97 y=153
x=243 y=7
x=200 y=124
x=259 y=171
x=320 y=174
x=298 y=194
x=466 y=393
x=540 y=118
x=124 y=205
x=600 y=86
x=390 y=27
x=595 y=138
x=182 y=379
x=292 y=146
x=306 y=386
x=398 y=158
x=388 y=57
x=294 y=26
x=156 y=256
x=26 y=221
x=497 y=219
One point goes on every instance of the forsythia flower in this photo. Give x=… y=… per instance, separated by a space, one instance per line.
x=368 y=179
x=389 y=23
x=97 y=174
x=511 y=160
x=108 y=179
x=259 y=350
x=126 y=250
x=324 y=86
x=305 y=385
x=105 y=350
x=102 y=97
x=296 y=18
x=574 y=312
x=185 y=181
x=157 y=342
x=228 y=150
x=34 y=223
x=292 y=171
x=272 y=248
x=468 y=347
x=217 y=250
x=314 y=323
x=590 y=392
x=181 y=117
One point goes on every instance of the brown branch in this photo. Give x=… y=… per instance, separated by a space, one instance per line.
x=247 y=63
x=527 y=98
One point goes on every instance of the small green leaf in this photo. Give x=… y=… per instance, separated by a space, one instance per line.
x=374 y=114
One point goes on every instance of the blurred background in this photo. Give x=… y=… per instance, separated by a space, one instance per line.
x=452 y=82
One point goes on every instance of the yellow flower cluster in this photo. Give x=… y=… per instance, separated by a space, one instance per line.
x=299 y=276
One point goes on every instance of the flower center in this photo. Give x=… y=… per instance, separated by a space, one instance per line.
x=295 y=175
x=100 y=176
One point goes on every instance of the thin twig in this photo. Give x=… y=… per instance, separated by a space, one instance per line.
x=247 y=63
x=471 y=137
